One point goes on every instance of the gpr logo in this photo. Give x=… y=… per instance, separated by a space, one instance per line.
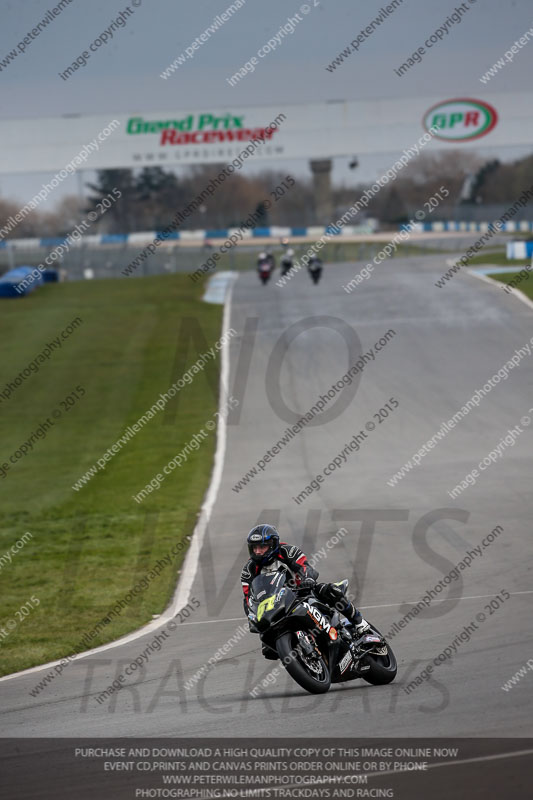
x=462 y=119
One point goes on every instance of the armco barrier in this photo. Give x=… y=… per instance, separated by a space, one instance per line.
x=510 y=227
x=144 y=237
x=274 y=232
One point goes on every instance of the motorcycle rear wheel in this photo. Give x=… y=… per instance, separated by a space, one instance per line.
x=287 y=647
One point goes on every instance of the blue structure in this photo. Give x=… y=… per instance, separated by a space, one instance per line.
x=20 y=282
x=200 y=236
x=50 y=275
x=519 y=249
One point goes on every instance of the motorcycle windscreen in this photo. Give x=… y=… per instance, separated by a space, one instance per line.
x=270 y=598
x=265 y=585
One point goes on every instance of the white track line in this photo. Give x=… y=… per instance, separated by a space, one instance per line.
x=364 y=608
x=190 y=565
x=458 y=763
x=497 y=284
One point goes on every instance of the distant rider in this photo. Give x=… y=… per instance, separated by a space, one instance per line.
x=264 y=259
x=287 y=261
x=315 y=264
x=268 y=555
x=271 y=260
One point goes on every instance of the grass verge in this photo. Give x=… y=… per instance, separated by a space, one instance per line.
x=520 y=280
x=89 y=548
x=498 y=258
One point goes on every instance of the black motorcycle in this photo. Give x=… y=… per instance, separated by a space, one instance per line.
x=316 y=645
x=286 y=264
x=315 y=269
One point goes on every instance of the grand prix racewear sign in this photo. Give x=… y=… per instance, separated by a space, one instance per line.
x=199 y=129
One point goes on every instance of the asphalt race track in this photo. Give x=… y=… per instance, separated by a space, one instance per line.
x=400 y=540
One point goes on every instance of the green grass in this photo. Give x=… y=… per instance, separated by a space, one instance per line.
x=90 y=547
x=524 y=284
x=498 y=258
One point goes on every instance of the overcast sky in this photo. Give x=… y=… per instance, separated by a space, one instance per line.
x=124 y=75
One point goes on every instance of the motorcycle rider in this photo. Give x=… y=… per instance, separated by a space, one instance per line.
x=264 y=258
x=315 y=264
x=270 y=258
x=287 y=261
x=268 y=555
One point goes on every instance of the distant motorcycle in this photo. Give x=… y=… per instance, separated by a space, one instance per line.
x=287 y=262
x=265 y=272
x=265 y=266
x=316 y=645
x=315 y=269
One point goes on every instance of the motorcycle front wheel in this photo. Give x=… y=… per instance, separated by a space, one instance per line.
x=312 y=674
x=383 y=668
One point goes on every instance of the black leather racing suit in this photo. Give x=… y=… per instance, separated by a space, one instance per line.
x=295 y=560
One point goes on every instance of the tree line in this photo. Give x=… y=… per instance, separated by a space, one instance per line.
x=151 y=196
